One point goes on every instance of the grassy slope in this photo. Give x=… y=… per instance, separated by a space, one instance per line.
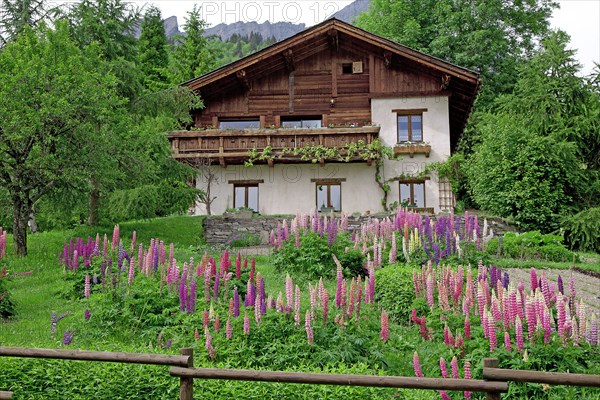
x=36 y=295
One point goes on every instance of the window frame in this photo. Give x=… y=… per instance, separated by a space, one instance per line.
x=246 y=186
x=240 y=119
x=328 y=183
x=301 y=119
x=412 y=183
x=409 y=113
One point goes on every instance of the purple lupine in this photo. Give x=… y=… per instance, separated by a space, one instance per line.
x=561 y=287
x=236 y=302
x=87 y=314
x=262 y=296
x=533 y=279
x=168 y=345
x=593 y=332
x=182 y=293
x=67 y=338
x=216 y=287
x=297 y=306
x=191 y=300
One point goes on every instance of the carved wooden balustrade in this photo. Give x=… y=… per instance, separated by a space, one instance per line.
x=234 y=146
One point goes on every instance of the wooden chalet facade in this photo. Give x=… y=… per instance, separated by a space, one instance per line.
x=330 y=85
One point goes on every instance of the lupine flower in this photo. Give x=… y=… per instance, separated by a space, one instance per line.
x=385 y=327
x=196 y=335
x=297 y=306
x=519 y=333
x=454 y=367
x=246 y=324
x=507 y=344
x=593 y=333
x=307 y=326
x=67 y=338
x=289 y=293
x=236 y=302
x=131 y=273
x=325 y=305
x=417 y=365
x=467 y=370
x=561 y=287
x=228 y=329
x=87 y=314
x=217 y=324
x=205 y=319
x=533 y=279
x=443 y=368
x=209 y=346
x=87 y=286
x=168 y=345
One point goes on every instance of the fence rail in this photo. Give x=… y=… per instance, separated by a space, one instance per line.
x=5 y=395
x=494 y=383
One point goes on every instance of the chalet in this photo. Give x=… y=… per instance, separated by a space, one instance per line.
x=294 y=108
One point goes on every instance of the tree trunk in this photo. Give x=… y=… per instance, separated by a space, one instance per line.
x=33 y=227
x=94 y=202
x=21 y=211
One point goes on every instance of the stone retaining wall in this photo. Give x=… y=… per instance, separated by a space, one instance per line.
x=224 y=230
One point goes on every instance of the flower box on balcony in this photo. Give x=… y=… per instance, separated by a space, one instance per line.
x=412 y=148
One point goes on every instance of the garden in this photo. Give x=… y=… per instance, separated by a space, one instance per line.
x=405 y=295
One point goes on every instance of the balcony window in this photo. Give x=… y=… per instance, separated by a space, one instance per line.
x=410 y=125
x=412 y=194
x=253 y=123
x=301 y=122
x=246 y=196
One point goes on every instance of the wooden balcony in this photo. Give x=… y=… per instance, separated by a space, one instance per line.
x=233 y=146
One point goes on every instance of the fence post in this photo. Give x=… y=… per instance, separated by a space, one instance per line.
x=186 y=385
x=491 y=363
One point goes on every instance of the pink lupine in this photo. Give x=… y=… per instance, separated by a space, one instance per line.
x=131 y=274
x=289 y=293
x=423 y=329
x=592 y=337
x=228 y=329
x=429 y=286
x=297 y=306
x=87 y=286
x=459 y=341
x=519 y=333
x=492 y=333
x=308 y=328
x=392 y=257
x=443 y=368
x=385 y=327
x=217 y=324
x=257 y=313
x=238 y=266
x=560 y=307
x=340 y=278
x=533 y=279
x=209 y=346
x=115 y=237
x=417 y=366
x=467 y=371
x=246 y=324
x=205 y=319
x=454 y=367
x=313 y=299
x=446 y=335
x=531 y=318
x=545 y=288
x=325 y=305
x=485 y=325
x=495 y=309
x=196 y=335
x=507 y=343
x=371 y=283
x=546 y=325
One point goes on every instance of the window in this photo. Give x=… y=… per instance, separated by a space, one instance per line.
x=252 y=123
x=410 y=125
x=329 y=195
x=412 y=194
x=301 y=122
x=246 y=195
x=347 y=68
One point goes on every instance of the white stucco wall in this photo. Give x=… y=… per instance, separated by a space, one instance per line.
x=436 y=132
x=288 y=188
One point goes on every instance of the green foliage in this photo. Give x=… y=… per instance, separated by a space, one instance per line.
x=137 y=203
x=531 y=246
x=314 y=257
x=154 y=58
x=491 y=38
x=7 y=306
x=395 y=291
x=191 y=56
x=536 y=156
x=582 y=230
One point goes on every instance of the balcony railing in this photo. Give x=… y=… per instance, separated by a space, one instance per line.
x=233 y=146
x=412 y=148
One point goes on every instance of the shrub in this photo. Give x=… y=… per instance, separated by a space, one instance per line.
x=532 y=246
x=138 y=203
x=582 y=230
x=395 y=291
x=7 y=306
x=314 y=256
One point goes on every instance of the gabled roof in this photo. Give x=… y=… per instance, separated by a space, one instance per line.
x=464 y=85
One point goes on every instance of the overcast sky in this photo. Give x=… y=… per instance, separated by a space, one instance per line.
x=579 y=18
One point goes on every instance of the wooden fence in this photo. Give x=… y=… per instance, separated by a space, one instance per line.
x=494 y=383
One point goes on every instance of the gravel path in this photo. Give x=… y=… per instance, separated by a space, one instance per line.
x=587 y=287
